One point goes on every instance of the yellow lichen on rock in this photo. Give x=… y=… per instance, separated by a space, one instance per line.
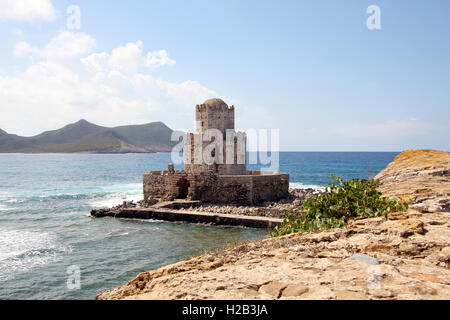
x=420 y=177
x=426 y=159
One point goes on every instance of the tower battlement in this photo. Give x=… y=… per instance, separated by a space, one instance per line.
x=205 y=107
x=214 y=114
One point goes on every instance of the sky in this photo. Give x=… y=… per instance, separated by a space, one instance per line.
x=312 y=69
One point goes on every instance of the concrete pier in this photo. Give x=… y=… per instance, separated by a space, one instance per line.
x=188 y=216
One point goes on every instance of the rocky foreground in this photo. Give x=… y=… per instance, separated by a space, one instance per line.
x=403 y=256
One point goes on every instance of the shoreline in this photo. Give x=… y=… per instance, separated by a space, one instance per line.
x=266 y=215
x=180 y=215
x=401 y=256
x=333 y=264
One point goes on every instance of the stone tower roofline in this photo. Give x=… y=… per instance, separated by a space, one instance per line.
x=214 y=104
x=204 y=107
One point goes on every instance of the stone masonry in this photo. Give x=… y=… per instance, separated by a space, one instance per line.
x=221 y=178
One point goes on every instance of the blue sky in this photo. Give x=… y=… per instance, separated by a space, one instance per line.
x=309 y=68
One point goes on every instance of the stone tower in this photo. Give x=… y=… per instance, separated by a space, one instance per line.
x=215 y=146
x=214 y=114
x=215 y=165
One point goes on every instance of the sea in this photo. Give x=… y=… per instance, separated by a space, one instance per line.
x=50 y=247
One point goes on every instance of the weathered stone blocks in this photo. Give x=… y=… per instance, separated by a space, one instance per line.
x=225 y=182
x=228 y=189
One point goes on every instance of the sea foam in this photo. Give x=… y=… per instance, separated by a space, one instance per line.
x=21 y=251
x=116 y=194
x=299 y=185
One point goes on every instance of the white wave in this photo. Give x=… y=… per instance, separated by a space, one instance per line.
x=299 y=185
x=118 y=193
x=5 y=200
x=11 y=200
x=117 y=234
x=115 y=199
x=144 y=221
x=21 y=251
x=6 y=208
x=4 y=195
x=72 y=191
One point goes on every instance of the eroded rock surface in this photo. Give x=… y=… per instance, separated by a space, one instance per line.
x=403 y=256
x=413 y=264
x=420 y=177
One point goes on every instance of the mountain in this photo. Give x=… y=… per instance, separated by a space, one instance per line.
x=86 y=137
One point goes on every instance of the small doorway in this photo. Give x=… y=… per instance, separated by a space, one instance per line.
x=183 y=188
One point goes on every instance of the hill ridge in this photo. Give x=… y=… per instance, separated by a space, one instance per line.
x=86 y=137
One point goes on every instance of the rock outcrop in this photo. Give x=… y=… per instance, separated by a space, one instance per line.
x=374 y=258
x=403 y=256
x=420 y=177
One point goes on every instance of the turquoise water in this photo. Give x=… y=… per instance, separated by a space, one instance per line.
x=45 y=226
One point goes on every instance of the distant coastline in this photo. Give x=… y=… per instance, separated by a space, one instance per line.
x=86 y=137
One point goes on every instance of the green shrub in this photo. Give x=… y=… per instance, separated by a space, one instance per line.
x=341 y=201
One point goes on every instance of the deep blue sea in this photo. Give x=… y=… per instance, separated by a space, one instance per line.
x=45 y=227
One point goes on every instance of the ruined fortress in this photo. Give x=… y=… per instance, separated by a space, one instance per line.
x=215 y=165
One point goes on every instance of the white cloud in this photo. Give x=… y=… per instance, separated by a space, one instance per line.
x=158 y=59
x=66 y=45
x=23 y=48
x=127 y=59
x=27 y=10
x=96 y=62
x=66 y=84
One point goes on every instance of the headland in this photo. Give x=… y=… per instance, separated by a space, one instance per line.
x=402 y=256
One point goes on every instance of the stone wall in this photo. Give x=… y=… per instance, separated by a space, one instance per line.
x=166 y=185
x=271 y=187
x=224 y=189
x=253 y=188
x=154 y=184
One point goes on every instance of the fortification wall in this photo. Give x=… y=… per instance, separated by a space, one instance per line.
x=236 y=189
x=168 y=185
x=270 y=187
x=154 y=184
x=249 y=189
